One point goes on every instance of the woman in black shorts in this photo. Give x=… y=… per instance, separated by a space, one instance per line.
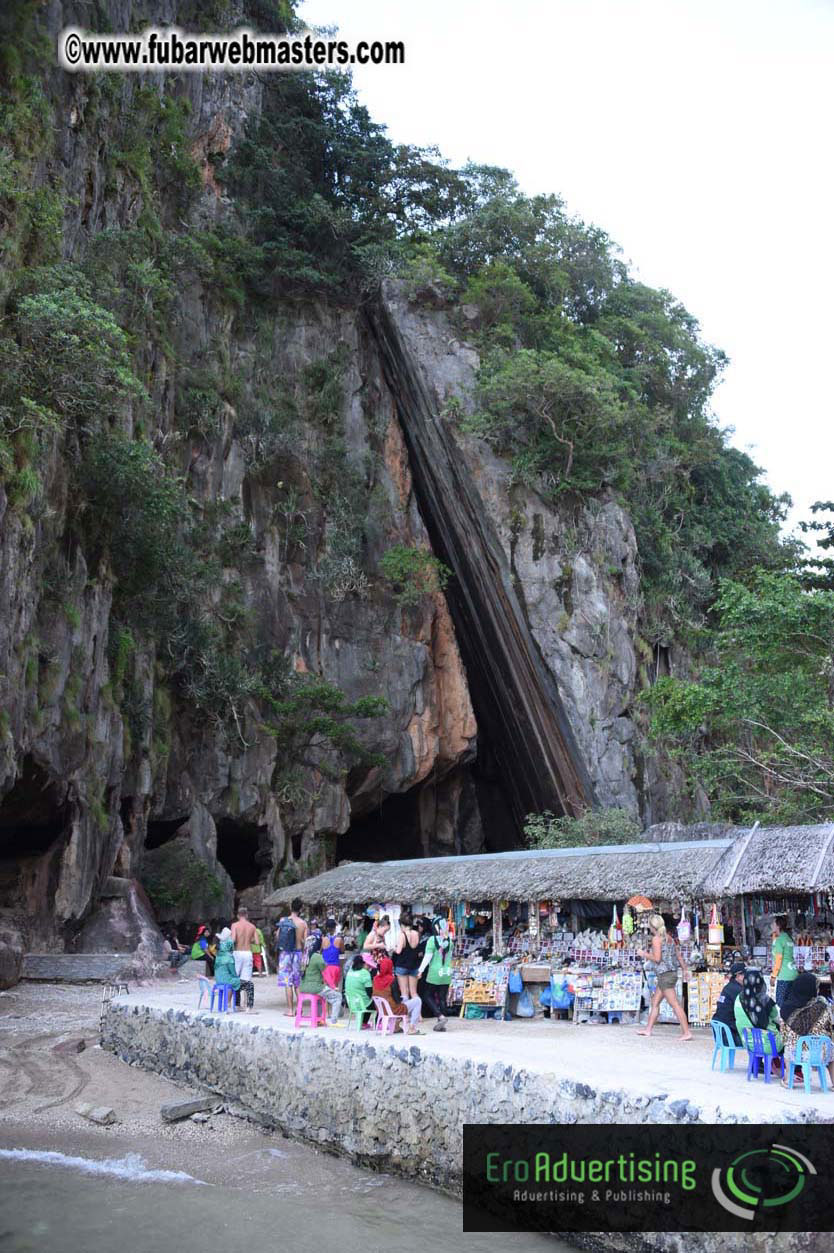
x=407 y=958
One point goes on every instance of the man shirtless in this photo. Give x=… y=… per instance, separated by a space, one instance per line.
x=290 y=948
x=244 y=934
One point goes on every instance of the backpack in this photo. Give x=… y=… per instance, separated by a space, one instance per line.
x=286 y=936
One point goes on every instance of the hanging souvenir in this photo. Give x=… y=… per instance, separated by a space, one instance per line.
x=684 y=929
x=697 y=925
x=615 y=934
x=628 y=921
x=716 y=930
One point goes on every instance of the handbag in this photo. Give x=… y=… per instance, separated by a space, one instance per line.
x=684 y=928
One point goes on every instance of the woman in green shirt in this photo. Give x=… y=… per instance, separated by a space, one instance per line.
x=359 y=987
x=313 y=981
x=784 y=967
x=437 y=963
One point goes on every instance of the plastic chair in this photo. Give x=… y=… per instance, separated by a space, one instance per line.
x=310 y=1010
x=725 y=1045
x=757 y=1053
x=225 y=994
x=357 y=1009
x=813 y=1052
x=386 y=1019
x=205 y=990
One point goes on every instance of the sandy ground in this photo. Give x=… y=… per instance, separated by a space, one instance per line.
x=606 y=1057
x=40 y=1088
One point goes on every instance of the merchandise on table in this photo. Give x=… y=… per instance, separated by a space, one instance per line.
x=704 y=991
x=611 y=992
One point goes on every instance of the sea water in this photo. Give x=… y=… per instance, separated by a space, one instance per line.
x=264 y=1196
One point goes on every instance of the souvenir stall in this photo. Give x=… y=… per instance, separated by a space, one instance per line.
x=783 y=872
x=548 y=928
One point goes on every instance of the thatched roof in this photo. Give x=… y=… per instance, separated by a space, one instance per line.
x=775 y=859
x=664 y=872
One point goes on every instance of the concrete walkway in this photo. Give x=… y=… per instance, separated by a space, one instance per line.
x=609 y=1059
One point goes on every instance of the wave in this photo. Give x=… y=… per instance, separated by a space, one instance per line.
x=133 y=1168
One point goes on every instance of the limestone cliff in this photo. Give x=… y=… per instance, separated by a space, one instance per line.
x=536 y=634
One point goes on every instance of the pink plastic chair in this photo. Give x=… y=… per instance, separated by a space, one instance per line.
x=316 y=1010
x=386 y=1019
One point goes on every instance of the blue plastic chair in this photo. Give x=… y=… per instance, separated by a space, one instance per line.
x=758 y=1054
x=813 y=1052
x=225 y=997
x=205 y=990
x=725 y=1045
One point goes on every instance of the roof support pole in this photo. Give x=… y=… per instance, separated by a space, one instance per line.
x=497 y=928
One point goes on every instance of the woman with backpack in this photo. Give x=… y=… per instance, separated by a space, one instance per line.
x=664 y=957
x=437 y=963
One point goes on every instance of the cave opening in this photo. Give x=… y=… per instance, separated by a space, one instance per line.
x=243 y=851
x=34 y=821
x=33 y=814
x=389 y=833
x=160 y=831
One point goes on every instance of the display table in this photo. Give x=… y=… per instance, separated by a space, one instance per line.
x=617 y=994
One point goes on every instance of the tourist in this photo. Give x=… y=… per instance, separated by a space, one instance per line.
x=375 y=939
x=244 y=935
x=313 y=981
x=664 y=956
x=359 y=988
x=225 y=973
x=331 y=951
x=203 y=950
x=175 y=952
x=259 y=952
x=726 y=1003
x=292 y=936
x=364 y=927
x=754 y=1008
x=437 y=964
x=804 y=1012
x=407 y=959
x=784 y=968
x=313 y=942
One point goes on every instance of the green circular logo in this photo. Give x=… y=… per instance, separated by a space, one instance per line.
x=761 y=1179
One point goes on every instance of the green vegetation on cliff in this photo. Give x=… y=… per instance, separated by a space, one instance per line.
x=593 y=385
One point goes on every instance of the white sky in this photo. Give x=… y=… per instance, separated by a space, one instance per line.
x=697 y=133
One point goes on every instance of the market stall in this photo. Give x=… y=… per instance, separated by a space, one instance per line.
x=521 y=920
x=780 y=872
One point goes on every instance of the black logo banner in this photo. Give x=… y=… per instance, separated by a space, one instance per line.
x=647 y=1177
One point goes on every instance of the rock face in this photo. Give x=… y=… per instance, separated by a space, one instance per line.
x=545 y=601
x=537 y=635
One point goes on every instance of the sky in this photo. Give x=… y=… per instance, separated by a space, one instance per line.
x=696 y=133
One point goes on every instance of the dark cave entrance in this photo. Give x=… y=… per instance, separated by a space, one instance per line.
x=243 y=851
x=389 y=833
x=416 y=823
x=499 y=826
x=34 y=821
x=160 y=831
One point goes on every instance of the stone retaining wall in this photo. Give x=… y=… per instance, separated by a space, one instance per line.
x=394 y=1106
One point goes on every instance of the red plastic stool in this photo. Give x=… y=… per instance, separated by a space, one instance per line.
x=316 y=1015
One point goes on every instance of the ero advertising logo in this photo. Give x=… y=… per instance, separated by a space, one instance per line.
x=646 y=1177
x=761 y=1177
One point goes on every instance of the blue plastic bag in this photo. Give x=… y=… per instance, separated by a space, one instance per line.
x=525 y=1007
x=514 y=983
